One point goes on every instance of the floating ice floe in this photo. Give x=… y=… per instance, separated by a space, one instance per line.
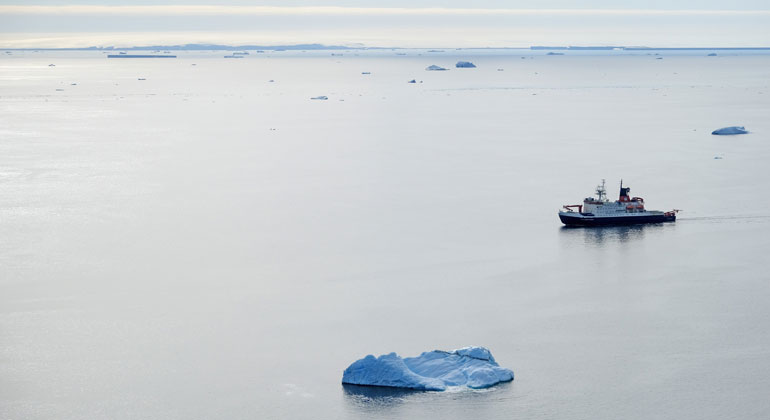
x=730 y=130
x=465 y=64
x=472 y=367
x=434 y=67
x=320 y=98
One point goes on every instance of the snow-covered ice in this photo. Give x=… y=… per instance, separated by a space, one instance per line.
x=472 y=367
x=730 y=130
x=465 y=64
x=434 y=67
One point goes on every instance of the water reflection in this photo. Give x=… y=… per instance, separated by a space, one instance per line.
x=375 y=397
x=598 y=236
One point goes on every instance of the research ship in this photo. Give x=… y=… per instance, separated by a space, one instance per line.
x=599 y=211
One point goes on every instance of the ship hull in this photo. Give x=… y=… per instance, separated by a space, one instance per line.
x=581 y=220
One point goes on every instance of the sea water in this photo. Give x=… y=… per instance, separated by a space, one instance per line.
x=208 y=242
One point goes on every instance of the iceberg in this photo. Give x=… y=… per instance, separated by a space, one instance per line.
x=412 y=81
x=465 y=64
x=730 y=130
x=434 y=67
x=472 y=367
x=320 y=98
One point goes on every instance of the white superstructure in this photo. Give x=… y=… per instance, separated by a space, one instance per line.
x=600 y=210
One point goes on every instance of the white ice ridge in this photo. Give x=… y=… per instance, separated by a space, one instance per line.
x=473 y=367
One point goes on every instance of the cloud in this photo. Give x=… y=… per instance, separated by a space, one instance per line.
x=86 y=25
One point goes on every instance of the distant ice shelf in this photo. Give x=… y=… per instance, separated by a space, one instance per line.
x=472 y=367
x=123 y=55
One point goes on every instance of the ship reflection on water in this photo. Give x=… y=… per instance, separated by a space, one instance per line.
x=611 y=234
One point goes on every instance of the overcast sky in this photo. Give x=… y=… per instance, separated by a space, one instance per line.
x=415 y=23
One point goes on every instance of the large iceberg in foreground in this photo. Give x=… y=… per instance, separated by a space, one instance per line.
x=435 y=370
x=730 y=130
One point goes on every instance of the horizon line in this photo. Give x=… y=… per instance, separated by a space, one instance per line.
x=343 y=10
x=312 y=45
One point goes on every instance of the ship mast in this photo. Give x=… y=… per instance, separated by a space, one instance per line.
x=601 y=192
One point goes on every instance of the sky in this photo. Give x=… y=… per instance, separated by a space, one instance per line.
x=378 y=23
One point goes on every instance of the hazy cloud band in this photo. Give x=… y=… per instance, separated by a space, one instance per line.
x=210 y=10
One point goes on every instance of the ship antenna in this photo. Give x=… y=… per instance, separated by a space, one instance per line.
x=621 y=189
x=600 y=191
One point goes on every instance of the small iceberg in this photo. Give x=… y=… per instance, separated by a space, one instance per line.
x=554 y=53
x=465 y=65
x=712 y=55
x=472 y=367
x=366 y=72
x=412 y=81
x=320 y=98
x=726 y=131
x=434 y=67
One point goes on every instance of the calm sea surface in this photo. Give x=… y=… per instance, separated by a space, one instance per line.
x=206 y=243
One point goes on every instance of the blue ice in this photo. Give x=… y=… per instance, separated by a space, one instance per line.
x=472 y=367
x=730 y=130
